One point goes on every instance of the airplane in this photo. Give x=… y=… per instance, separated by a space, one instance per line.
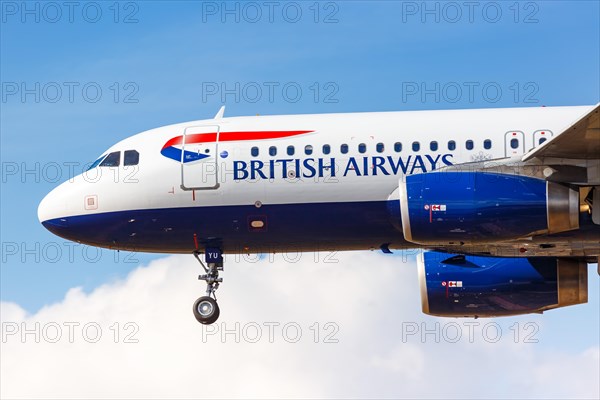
x=505 y=202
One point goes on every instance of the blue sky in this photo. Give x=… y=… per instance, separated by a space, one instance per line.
x=155 y=69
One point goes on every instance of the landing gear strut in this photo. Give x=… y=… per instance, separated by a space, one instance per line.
x=206 y=309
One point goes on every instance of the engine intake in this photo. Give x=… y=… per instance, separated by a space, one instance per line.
x=455 y=207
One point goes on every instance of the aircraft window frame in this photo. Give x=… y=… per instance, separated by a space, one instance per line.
x=127 y=162
x=362 y=148
x=469 y=145
x=416 y=146
x=380 y=147
x=97 y=162
x=398 y=147
x=514 y=143
x=433 y=145
x=291 y=150
x=326 y=149
x=451 y=145
x=254 y=151
x=542 y=140
x=487 y=144
x=308 y=149
x=344 y=148
x=273 y=151
x=110 y=158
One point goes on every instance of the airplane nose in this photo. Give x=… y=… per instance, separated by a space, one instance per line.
x=52 y=212
x=52 y=207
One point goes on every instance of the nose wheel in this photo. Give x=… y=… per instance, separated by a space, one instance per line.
x=206 y=310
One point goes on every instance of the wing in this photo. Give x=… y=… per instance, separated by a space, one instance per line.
x=579 y=141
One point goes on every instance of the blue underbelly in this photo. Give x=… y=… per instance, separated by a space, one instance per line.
x=239 y=229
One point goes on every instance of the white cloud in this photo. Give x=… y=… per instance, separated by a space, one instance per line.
x=366 y=297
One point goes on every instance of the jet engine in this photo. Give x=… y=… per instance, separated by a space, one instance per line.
x=473 y=286
x=456 y=207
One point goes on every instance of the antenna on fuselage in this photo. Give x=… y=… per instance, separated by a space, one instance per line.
x=220 y=113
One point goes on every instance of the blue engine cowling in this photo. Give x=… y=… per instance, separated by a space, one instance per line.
x=455 y=207
x=472 y=286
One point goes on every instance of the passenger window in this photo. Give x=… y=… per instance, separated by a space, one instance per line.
x=344 y=148
x=272 y=151
x=290 y=150
x=326 y=149
x=416 y=146
x=542 y=140
x=451 y=145
x=131 y=157
x=112 y=160
x=397 y=147
x=380 y=147
x=254 y=152
x=514 y=143
x=487 y=144
x=362 y=148
x=308 y=150
x=469 y=145
x=433 y=146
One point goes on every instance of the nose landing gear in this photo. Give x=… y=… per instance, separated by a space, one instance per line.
x=206 y=310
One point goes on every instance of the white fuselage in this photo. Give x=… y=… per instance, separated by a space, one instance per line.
x=246 y=169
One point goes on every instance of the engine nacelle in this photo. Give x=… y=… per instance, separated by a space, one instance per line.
x=470 y=286
x=457 y=207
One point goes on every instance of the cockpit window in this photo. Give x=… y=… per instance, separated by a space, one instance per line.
x=98 y=161
x=131 y=157
x=112 y=160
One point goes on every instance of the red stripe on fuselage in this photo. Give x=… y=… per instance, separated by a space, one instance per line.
x=231 y=137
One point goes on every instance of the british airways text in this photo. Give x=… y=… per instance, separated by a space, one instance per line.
x=353 y=166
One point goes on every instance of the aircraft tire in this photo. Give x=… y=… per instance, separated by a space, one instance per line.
x=206 y=310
